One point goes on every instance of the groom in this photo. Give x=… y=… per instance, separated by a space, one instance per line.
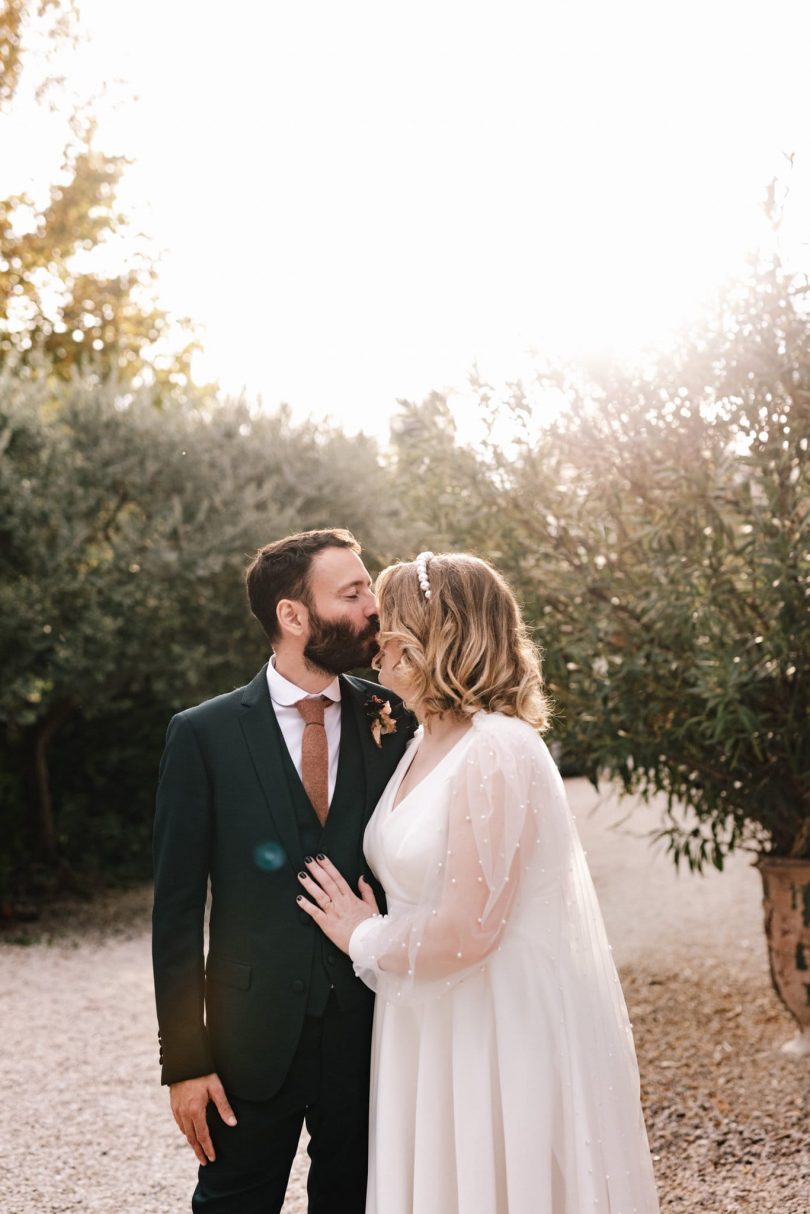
x=272 y=1028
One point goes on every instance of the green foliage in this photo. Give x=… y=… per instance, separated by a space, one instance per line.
x=55 y=307
x=436 y=485
x=124 y=531
x=11 y=21
x=55 y=18
x=58 y=308
x=659 y=535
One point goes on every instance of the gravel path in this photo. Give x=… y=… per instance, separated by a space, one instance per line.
x=84 y=1125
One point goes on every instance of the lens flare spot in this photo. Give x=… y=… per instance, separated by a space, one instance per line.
x=269 y=857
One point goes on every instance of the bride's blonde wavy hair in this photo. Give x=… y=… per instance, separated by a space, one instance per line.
x=465 y=648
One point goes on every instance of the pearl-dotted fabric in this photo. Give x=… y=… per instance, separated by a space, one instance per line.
x=504 y=1072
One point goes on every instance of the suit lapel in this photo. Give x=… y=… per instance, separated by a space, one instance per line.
x=264 y=742
x=367 y=746
x=267 y=751
x=378 y=761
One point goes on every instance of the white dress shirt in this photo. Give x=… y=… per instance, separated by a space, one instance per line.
x=285 y=695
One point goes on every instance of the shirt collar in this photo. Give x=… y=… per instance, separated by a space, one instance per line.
x=285 y=693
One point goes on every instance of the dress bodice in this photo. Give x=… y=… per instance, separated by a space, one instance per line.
x=504 y=1075
x=404 y=843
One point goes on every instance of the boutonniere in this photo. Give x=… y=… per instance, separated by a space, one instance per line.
x=378 y=712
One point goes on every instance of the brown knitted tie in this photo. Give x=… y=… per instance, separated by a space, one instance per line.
x=315 y=754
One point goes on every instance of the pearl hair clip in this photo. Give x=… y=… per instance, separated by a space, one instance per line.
x=421 y=572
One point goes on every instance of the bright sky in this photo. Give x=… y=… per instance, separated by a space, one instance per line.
x=357 y=200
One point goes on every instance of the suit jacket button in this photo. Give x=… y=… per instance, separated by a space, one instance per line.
x=298 y=986
x=330 y=960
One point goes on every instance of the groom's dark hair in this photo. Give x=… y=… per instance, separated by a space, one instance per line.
x=281 y=571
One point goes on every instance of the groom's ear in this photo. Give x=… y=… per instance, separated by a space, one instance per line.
x=292 y=616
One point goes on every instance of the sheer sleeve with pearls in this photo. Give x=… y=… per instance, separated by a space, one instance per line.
x=467 y=900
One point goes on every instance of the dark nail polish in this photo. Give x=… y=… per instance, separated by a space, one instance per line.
x=299 y=897
x=320 y=856
x=302 y=875
x=307 y=859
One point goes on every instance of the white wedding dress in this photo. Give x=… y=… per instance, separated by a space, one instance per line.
x=504 y=1076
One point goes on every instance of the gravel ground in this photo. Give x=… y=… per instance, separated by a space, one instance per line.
x=84 y=1125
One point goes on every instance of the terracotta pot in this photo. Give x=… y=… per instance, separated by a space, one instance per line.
x=786 y=901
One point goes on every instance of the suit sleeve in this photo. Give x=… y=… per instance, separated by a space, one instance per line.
x=182 y=847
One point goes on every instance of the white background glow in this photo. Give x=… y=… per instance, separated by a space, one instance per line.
x=358 y=200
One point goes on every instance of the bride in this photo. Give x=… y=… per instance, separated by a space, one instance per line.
x=504 y=1076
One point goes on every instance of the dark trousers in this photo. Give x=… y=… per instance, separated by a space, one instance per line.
x=326 y=1087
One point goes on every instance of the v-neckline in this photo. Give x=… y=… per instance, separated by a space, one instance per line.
x=394 y=804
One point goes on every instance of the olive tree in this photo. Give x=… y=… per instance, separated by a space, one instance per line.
x=124 y=532
x=659 y=533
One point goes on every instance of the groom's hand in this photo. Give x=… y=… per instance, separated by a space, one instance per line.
x=189 y=1100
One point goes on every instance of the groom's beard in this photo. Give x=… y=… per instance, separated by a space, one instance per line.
x=335 y=646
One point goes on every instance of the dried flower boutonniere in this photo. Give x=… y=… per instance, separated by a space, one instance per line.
x=378 y=712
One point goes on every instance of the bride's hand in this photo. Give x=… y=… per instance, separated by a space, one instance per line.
x=334 y=906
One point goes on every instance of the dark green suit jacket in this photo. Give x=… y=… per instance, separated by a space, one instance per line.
x=230 y=808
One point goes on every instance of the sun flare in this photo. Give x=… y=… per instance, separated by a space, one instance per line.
x=357 y=207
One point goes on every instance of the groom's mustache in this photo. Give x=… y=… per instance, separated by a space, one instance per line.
x=369 y=635
x=337 y=646
x=373 y=628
